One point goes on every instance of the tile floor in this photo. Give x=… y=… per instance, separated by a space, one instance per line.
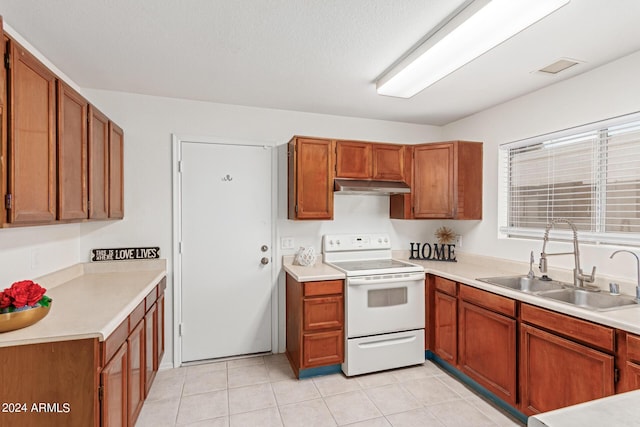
x=262 y=391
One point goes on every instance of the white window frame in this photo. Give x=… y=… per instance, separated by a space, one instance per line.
x=597 y=237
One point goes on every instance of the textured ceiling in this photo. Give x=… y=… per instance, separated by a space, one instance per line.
x=318 y=56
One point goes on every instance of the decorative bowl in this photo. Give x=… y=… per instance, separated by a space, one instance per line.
x=22 y=319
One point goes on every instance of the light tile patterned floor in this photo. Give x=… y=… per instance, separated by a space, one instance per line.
x=262 y=391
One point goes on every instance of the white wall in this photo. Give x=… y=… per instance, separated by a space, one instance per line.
x=149 y=122
x=605 y=92
x=29 y=252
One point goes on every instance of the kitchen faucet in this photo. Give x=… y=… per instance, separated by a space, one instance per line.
x=637 y=271
x=578 y=278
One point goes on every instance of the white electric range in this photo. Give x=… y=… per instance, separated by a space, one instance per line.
x=384 y=303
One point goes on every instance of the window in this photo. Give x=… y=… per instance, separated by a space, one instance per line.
x=590 y=175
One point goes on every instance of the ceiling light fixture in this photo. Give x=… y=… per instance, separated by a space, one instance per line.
x=478 y=28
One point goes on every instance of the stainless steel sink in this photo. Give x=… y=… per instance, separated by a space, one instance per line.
x=524 y=283
x=591 y=300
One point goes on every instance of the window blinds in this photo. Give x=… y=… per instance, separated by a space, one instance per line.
x=590 y=175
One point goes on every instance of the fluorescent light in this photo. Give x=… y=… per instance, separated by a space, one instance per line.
x=478 y=28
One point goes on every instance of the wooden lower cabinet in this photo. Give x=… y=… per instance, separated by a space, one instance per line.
x=556 y=372
x=151 y=346
x=315 y=323
x=83 y=382
x=487 y=349
x=136 y=371
x=446 y=327
x=114 y=381
x=61 y=375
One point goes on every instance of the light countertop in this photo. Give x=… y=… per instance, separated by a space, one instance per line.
x=620 y=410
x=90 y=300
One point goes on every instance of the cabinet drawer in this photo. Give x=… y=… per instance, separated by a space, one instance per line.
x=114 y=341
x=576 y=329
x=151 y=298
x=323 y=313
x=136 y=316
x=326 y=287
x=633 y=347
x=445 y=285
x=322 y=348
x=488 y=300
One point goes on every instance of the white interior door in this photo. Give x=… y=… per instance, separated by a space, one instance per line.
x=225 y=199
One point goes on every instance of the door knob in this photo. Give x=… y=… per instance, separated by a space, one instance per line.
x=264 y=260
x=264 y=248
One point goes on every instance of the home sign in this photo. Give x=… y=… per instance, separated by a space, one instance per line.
x=121 y=254
x=433 y=252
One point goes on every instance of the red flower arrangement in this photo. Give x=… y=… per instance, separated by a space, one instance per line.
x=23 y=295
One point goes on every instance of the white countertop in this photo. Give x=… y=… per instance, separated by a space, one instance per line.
x=470 y=267
x=620 y=410
x=90 y=300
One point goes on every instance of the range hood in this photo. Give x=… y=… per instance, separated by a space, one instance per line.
x=356 y=186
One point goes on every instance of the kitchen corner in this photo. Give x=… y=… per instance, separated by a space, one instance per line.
x=467 y=269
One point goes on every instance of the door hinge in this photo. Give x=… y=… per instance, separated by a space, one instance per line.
x=296 y=208
x=616 y=375
x=8 y=201
x=180 y=329
x=179 y=166
x=100 y=393
x=179 y=247
x=7 y=61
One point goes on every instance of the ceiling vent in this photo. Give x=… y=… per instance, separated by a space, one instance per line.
x=559 y=65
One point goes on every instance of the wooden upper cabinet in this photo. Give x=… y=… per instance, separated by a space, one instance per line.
x=98 y=164
x=72 y=154
x=116 y=171
x=365 y=160
x=310 y=178
x=388 y=162
x=32 y=144
x=353 y=159
x=446 y=184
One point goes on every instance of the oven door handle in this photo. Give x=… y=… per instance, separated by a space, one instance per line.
x=353 y=281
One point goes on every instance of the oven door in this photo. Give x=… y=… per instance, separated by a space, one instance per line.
x=384 y=303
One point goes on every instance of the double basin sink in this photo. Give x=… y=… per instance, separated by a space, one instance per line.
x=563 y=292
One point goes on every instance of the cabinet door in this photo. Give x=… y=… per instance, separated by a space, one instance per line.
x=446 y=326
x=433 y=184
x=633 y=376
x=32 y=144
x=322 y=348
x=388 y=162
x=353 y=159
x=556 y=372
x=116 y=171
x=310 y=179
x=114 y=390
x=160 y=332
x=98 y=164
x=135 y=372
x=72 y=154
x=487 y=349
x=323 y=313
x=151 y=346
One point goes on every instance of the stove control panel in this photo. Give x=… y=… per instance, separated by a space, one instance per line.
x=355 y=242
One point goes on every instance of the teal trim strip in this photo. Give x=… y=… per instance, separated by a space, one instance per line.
x=322 y=370
x=429 y=355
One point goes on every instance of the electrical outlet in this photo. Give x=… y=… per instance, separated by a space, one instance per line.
x=287 y=243
x=458 y=241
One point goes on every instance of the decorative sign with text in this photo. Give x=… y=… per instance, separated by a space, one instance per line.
x=121 y=254
x=433 y=252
